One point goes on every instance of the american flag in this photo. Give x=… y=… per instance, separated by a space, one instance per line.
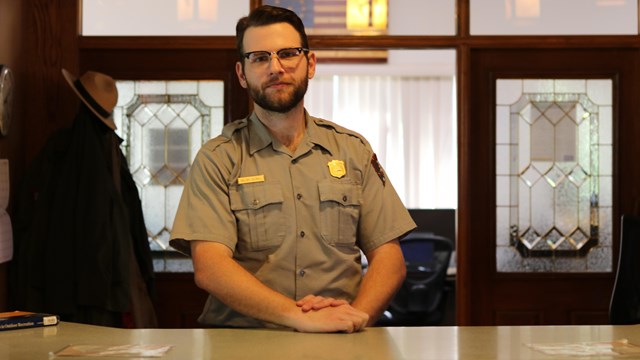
x=319 y=16
x=329 y=17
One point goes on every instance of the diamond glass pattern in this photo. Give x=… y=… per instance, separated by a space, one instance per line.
x=530 y=176
x=555 y=136
x=578 y=175
x=554 y=176
x=163 y=125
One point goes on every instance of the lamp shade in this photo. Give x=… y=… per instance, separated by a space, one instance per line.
x=367 y=15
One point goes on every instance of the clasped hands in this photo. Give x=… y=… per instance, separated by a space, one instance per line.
x=326 y=314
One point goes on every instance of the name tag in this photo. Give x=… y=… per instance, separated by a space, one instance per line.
x=250 y=179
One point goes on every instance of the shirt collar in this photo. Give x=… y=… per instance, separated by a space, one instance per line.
x=316 y=136
x=259 y=136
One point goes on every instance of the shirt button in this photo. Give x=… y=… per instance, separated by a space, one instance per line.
x=294 y=161
x=299 y=196
x=301 y=233
x=344 y=198
x=256 y=202
x=302 y=273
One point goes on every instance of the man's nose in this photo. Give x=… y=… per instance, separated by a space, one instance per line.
x=274 y=63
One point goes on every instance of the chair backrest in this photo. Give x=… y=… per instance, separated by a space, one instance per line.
x=420 y=300
x=624 y=307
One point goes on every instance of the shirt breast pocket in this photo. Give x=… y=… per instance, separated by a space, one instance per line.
x=258 y=209
x=339 y=212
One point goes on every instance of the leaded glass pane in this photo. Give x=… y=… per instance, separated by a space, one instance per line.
x=553 y=175
x=163 y=124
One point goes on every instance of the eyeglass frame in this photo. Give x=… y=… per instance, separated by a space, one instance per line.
x=300 y=49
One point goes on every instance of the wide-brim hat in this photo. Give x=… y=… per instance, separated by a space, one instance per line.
x=98 y=91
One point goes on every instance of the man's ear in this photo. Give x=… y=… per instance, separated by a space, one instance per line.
x=312 y=65
x=240 y=73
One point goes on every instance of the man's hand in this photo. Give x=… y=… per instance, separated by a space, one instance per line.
x=313 y=302
x=342 y=318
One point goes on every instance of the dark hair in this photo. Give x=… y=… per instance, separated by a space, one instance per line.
x=267 y=15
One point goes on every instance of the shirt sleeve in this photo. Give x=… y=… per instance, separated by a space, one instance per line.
x=383 y=215
x=204 y=212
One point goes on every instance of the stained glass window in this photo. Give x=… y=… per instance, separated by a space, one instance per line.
x=163 y=125
x=553 y=175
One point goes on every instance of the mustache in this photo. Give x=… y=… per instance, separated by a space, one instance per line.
x=277 y=79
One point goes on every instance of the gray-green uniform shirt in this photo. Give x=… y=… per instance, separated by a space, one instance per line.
x=295 y=221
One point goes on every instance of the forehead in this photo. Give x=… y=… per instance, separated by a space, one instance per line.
x=270 y=37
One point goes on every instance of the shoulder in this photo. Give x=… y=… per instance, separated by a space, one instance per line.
x=332 y=129
x=234 y=126
x=228 y=132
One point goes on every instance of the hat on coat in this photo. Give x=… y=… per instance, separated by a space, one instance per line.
x=98 y=91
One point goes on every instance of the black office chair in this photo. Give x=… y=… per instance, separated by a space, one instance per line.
x=422 y=298
x=624 y=308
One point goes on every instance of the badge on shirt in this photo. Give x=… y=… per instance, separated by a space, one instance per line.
x=336 y=168
x=378 y=168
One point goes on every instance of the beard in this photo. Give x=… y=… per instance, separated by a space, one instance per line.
x=279 y=104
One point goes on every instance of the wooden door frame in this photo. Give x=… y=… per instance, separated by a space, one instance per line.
x=476 y=211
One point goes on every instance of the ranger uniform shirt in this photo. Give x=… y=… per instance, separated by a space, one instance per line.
x=297 y=221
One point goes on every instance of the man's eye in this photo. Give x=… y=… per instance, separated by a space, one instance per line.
x=260 y=58
x=287 y=54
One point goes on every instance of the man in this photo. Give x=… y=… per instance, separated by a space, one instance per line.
x=276 y=210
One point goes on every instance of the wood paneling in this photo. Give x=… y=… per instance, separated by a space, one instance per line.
x=37 y=38
x=505 y=317
x=12 y=28
x=51 y=44
x=178 y=301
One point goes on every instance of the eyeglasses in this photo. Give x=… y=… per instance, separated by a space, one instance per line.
x=286 y=56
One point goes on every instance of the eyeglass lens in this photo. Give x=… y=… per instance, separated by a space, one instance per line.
x=287 y=54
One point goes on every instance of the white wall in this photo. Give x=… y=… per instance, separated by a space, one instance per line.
x=161 y=17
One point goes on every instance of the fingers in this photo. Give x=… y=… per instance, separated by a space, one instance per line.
x=349 y=327
x=305 y=300
x=354 y=321
x=339 y=302
x=327 y=314
x=313 y=302
x=344 y=318
x=360 y=320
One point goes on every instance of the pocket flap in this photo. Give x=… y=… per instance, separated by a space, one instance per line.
x=345 y=194
x=254 y=196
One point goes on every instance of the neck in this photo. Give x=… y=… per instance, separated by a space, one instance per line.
x=288 y=128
